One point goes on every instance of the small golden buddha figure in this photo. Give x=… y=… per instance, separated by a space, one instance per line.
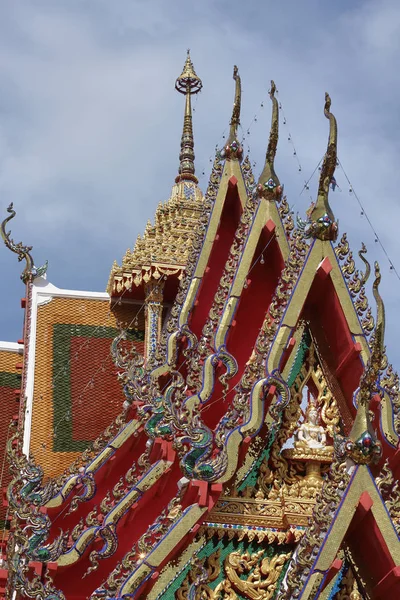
x=310 y=435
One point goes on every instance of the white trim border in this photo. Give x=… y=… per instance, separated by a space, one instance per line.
x=42 y=293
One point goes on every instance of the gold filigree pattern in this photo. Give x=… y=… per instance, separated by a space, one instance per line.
x=143 y=546
x=331 y=495
x=253 y=576
x=165 y=246
x=356 y=282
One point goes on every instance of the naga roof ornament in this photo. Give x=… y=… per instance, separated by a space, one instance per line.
x=320 y=221
x=362 y=446
x=233 y=148
x=269 y=186
x=24 y=252
x=188 y=83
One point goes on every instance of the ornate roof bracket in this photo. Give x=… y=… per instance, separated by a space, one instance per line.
x=321 y=222
x=24 y=252
x=233 y=149
x=188 y=83
x=269 y=186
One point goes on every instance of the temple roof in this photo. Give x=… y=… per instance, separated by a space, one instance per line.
x=263 y=314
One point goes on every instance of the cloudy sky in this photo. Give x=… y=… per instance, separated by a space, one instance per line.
x=90 y=123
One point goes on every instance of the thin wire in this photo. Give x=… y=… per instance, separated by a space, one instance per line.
x=86 y=343
x=306 y=186
x=290 y=139
x=364 y=214
x=273 y=237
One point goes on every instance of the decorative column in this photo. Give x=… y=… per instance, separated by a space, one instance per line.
x=153 y=291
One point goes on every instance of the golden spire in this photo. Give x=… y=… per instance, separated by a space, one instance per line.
x=268 y=184
x=188 y=83
x=232 y=148
x=323 y=225
x=362 y=445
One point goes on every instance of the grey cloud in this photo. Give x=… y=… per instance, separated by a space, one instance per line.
x=90 y=123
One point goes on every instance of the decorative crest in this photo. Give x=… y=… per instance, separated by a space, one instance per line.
x=188 y=83
x=321 y=222
x=362 y=446
x=269 y=186
x=24 y=252
x=233 y=149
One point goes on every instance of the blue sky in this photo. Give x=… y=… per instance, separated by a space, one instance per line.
x=90 y=123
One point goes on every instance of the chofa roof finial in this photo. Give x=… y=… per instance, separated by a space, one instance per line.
x=24 y=252
x=268 y=185
x=321 y=222
x=362 y=446
x=188 y=83
x=232 y=148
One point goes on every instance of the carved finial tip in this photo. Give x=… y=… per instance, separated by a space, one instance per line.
x=273 y=89
x=235 y=71
x=327 y=102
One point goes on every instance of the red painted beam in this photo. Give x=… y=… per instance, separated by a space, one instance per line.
x=270 y=395
x=395 y=460
x=385 y=588
x=354 y=350
x=364 y=505
x=331 y=572
x=270 y=226
x=232 y=182
x=324 y=268
x=162 y=450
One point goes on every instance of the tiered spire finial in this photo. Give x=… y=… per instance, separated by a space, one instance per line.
x=321 y=222
x=188 y=83
x=233 y=149
x=268 y=184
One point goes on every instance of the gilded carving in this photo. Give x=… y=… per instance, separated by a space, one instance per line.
x=252 y=575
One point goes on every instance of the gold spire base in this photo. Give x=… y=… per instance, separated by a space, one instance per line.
x=186 y=177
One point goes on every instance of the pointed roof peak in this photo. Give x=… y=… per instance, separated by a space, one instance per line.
x=321 y=221
x=233 y=149
x=188 y=83
x=269 y=185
